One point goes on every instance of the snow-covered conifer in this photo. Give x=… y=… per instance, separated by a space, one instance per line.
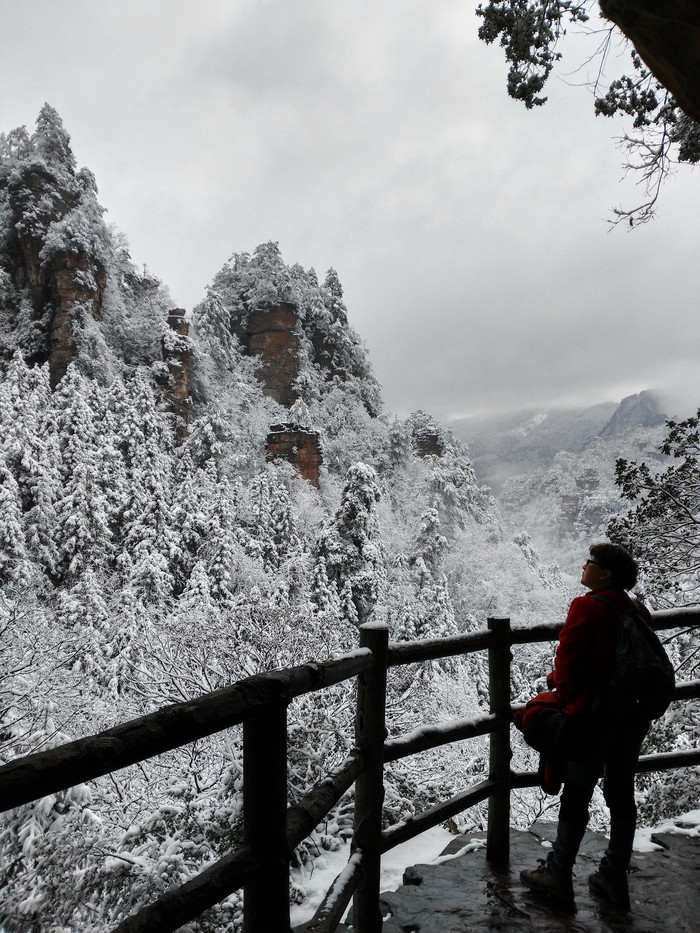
x=324 y=595
x=13 y=556
x=51 y=142
x=351 y=547
x=284 y=533
x=14 y=145
x=299 y=414
x=430 y=546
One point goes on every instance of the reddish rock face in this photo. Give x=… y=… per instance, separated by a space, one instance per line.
x=72 y=279
x=270 y=335
x=66 y=280
x=299 y=446
x=69 y=278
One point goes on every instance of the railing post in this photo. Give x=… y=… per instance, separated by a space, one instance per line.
x=266 y=897
x=370 y=733
x=498 y=829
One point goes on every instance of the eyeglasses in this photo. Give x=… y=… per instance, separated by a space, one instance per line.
x=591 y=561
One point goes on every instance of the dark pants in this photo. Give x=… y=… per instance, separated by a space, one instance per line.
x=615 y=759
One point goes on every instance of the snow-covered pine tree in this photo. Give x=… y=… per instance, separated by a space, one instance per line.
x=351 y=547
x=14 y=566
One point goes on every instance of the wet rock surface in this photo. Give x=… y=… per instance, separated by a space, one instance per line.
x=467 y=895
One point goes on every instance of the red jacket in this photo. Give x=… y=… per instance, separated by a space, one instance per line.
x=584 y=652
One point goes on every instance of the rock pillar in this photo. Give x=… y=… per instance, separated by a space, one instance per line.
x=300 y=446
x=176 y=356
x=73 y=279
x=67 y=278
x=271 y=336
x=428 y=444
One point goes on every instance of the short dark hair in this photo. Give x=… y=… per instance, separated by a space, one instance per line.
x=618 y=560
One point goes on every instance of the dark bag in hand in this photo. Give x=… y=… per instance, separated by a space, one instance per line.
x=552 y=732
x=556 y=734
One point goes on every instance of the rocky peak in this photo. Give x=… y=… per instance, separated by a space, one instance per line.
x=298 y=328
x=57 y=237
x=634 y=411
x=298 y=332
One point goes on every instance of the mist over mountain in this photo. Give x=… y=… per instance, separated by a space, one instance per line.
x=521 y=442
x=553 y=472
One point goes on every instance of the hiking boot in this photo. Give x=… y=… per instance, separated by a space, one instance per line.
x=550 y=879
x=611 y=884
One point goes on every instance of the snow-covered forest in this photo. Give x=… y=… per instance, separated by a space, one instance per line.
x=152 y=550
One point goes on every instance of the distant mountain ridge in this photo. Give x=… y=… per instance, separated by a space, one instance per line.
x=503 y=446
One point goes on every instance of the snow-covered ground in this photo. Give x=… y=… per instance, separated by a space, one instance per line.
x=688 y=824
x=426 y=849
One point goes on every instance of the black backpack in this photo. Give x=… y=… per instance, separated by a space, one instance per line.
x=641 y=679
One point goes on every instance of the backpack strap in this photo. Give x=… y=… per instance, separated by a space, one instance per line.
x=619 y=611
x=611 y=604
x=633 y=607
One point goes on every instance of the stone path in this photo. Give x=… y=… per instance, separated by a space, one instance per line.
x=466 y=895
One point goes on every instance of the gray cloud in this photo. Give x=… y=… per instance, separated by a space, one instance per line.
x=377 y=138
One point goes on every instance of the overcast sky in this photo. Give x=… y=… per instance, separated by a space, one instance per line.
x=376 y=136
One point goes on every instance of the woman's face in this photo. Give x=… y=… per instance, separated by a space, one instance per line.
x=594 y=575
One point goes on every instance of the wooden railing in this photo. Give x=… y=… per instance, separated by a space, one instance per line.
x=271 y=829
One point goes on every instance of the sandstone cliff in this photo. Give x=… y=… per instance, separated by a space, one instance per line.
x=68 y=290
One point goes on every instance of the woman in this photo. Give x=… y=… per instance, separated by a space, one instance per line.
x=581 y=669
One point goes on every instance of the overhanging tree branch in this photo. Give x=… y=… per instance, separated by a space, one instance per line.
x=662 y=96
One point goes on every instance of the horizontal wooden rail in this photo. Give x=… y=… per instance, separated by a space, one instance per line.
x=661 y=761
x=522 y=779
x=430 y=649
x=415 y=825
x=666 y=761
x=34 y=776
x=420 y=740
x=538 y=633
x=665 y=619
x=177 y=907
x=687 y=690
